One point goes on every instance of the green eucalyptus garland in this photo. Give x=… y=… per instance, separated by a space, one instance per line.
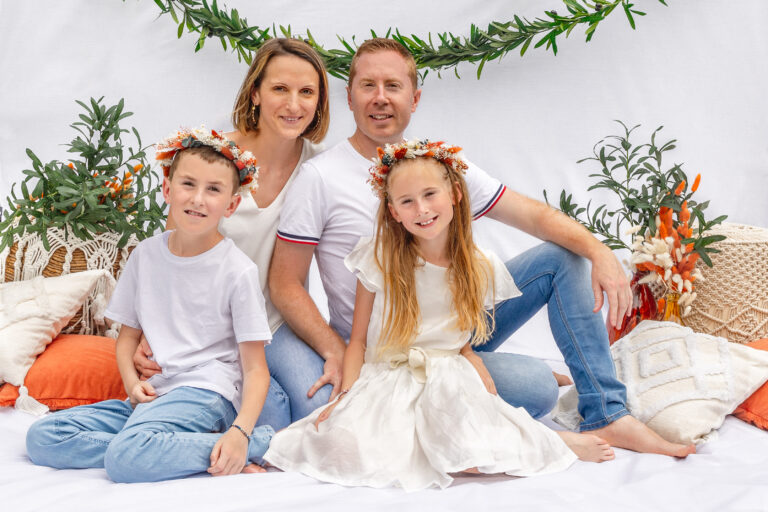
x=208 y=20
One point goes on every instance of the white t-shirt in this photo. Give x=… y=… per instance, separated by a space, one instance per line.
x=193 y=311
x=253 y=230
x=331 y=205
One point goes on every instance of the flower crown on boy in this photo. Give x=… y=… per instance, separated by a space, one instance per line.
x=187 y=138
x=393 y=153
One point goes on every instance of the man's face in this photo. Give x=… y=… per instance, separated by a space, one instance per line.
x=382 y=97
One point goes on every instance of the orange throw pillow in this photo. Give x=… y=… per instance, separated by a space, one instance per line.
x=755 y=408
x=73 y=370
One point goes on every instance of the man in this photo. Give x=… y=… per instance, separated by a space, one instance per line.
x=328 y=209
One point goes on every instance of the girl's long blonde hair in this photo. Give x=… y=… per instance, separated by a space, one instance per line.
x=469 y=273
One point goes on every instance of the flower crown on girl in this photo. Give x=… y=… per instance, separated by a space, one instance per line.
x=186 y=138
x=393 y=153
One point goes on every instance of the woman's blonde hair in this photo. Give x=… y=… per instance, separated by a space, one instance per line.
x=242 y=119
x=469 y=273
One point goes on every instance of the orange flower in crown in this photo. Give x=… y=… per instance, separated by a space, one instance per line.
x=390 y=154
x=197 y=137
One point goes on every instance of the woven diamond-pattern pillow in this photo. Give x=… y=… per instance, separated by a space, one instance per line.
x=680 y=383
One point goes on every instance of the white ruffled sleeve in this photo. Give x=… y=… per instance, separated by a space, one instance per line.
x=362 y=263
x=504 y=286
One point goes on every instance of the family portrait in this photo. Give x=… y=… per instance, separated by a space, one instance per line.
x=343 y=256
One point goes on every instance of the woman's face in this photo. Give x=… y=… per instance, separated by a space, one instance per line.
x=287 y=97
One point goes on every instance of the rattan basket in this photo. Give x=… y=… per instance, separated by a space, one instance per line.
x=732 y=299
x=67 y=254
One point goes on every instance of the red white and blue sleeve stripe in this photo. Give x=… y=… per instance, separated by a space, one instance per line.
x=297 y=239
x=489 y=205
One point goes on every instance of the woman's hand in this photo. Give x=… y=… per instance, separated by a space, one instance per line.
x=325 y=414
x=229 y=454
x=145 y=367
x=481 y=370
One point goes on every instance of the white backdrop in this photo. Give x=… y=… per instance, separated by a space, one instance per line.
x=698 y=67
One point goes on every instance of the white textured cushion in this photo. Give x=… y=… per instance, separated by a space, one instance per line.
x=680 y=383
x=33 y=312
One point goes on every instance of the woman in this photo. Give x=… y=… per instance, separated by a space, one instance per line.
x=280 y=114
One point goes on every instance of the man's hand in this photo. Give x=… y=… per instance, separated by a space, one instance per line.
x=145 y=366
x=142 y=392
x=608 y=276
x=331 y=375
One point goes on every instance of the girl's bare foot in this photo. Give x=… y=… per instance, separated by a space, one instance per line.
x=587 y=447
x=253 y=468
x=562 y=380
x=632 y=434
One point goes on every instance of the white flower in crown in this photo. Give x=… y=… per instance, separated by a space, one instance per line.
x=390 y=154
x=202 y=136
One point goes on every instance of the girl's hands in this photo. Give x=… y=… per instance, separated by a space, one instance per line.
x=481 y=370
x=229 y=454
x=325 y=414
x=142 y=392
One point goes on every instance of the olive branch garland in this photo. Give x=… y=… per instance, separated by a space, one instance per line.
x=208 y=20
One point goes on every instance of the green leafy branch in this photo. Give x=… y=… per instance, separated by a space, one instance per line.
x=634 y=173
x=89 y=194
x=446 y=51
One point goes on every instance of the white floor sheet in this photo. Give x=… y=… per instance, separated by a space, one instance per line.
x=729 y=474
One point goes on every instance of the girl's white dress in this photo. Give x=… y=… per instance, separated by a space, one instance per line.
x=413 y=418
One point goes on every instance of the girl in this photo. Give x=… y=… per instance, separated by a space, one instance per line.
x=423 y=405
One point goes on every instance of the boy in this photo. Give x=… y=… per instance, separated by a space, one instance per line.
x=198 y=301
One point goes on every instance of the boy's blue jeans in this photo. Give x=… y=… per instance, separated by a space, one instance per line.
x=169 y=437
x=548 y=275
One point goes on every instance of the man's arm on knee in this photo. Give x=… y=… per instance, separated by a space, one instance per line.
x=546 y=223
x=287 y=275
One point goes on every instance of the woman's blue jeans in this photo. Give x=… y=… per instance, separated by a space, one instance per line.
x=169 y=437
x=547 y=275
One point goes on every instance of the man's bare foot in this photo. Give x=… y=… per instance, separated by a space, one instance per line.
x=587 y=447
x=253 y=468
x=632 y=434
x=562 y=380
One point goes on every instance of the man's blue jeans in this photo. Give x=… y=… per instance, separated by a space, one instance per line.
x=547 y=275
x=169 y=437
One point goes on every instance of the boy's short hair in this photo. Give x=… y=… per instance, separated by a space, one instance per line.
x=209 y=155
x=381 y=44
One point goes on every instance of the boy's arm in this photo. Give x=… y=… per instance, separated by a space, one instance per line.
x=354 y=355
x=127 y=341
x=229 y=455
x=479 y=366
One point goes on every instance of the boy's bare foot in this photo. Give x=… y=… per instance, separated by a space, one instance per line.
x=587 y=447
x=253 y=468
x=562 y=380
x=632 y=434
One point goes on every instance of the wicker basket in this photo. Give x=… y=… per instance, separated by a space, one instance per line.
x=732 y=299
x=68 y=254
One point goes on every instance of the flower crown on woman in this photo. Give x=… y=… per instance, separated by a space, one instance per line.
x=202 y=136
x=393 y=153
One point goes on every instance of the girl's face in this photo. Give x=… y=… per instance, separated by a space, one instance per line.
x=287 y=97
x=422 y=199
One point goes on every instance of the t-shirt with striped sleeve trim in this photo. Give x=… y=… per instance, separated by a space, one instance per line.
x=331 y=205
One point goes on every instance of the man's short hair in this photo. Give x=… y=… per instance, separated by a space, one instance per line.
x=381 y=44
x=211 y=156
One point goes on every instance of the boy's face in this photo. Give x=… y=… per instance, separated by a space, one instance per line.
x=199 y=195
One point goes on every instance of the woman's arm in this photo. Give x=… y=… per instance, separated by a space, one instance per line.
x=354 y=355
x=230 y=453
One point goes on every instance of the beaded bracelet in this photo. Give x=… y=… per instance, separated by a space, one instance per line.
x=238 y=427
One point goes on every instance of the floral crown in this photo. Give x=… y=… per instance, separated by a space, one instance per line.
x=185 y=138
x=393 y=153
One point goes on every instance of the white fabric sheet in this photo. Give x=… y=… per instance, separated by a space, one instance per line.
x=727 y=474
